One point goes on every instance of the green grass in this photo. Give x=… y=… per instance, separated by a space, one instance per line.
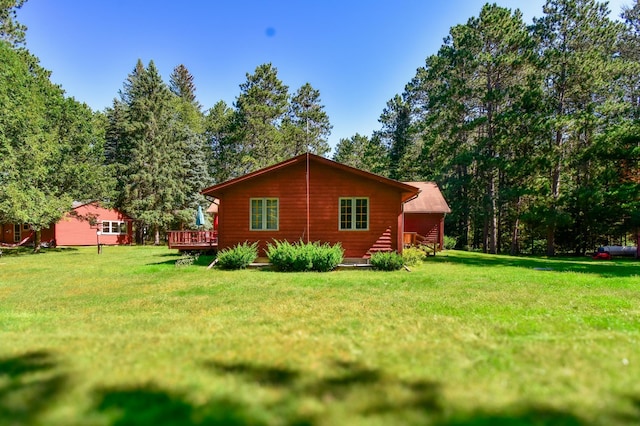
x=126 y=337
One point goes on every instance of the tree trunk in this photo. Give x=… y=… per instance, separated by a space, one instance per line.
x=493 y=216
x=515 y=234
x=156 y=236
x=139 y=234
x=37 y=239
x=551 y=233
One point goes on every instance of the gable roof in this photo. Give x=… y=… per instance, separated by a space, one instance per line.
x=407 y=189
x=429 y=200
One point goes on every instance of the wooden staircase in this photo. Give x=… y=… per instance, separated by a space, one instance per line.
x=382 y=244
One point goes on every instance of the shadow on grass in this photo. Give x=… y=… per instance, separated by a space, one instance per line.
x=28 y=387
x=24 y=251
x=200 y=261
x=352 y=391
x=151 y=405
x=618 y=268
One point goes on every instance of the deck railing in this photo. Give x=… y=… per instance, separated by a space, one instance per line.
x=192 y=239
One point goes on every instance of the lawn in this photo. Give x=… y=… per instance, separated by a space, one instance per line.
x=126 y=337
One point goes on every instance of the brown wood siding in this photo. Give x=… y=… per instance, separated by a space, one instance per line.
x=326 y=186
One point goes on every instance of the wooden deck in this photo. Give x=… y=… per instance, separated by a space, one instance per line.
x=413 y=239
x=193 y=240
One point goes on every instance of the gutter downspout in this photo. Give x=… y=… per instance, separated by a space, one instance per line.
x=308 y=218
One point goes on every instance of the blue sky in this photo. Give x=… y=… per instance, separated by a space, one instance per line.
x=358 y=54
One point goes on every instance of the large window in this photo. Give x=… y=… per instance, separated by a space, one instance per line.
x=264 y=214
x=354 y=214
x=114 y=227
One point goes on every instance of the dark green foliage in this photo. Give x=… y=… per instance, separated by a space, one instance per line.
x=300 y=257
x=363 y=153
x=238 y=257
x=307 y=125
x=529 y=131
x=387 y=261
x=11 y=31
x=156 y=149
x=261 y=108
x=181 y=84
x=50 y=146
x=267 y=125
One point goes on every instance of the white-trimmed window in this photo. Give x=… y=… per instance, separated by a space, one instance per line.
x=354 y=214
x=264 y=214
x=113 y=227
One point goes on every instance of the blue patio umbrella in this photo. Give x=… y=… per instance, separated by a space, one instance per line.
x=199 y=217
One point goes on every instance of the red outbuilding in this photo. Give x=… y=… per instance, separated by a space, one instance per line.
x=310 y=198
x=424 y=216
x=79 y=227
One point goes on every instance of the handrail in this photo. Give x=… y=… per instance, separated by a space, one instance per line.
x=192 y=238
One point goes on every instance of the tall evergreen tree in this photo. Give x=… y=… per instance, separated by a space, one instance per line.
x=262 y=106
x=152 y=173
x=307 y=126
x=225 y=149
x=192 y=144
x=397 y=135
x=577 y=44
x=182 y=85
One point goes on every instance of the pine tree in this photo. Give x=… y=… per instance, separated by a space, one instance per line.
x=261 y=107
x=225 y=149
x=182 y=85
x=11 y=30
x=397 y=135
x=577 y=42
x=307 y=126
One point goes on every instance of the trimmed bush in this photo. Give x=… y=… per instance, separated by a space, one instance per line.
x=238 y=257
x=413 y=255
x=386 y=261
x=299 y=257
x=449 y=243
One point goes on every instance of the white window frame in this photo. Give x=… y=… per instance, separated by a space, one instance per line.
x=264 y=222
x=121 y=225
x=353 y=201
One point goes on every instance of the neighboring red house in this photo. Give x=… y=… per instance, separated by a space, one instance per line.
x=79 y=227
x=424 y=215
x=311 y=198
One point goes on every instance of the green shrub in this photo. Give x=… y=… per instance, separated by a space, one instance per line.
x=287 y=257
x=449 y=243
x=413 y=255
x=386 y=261
x=327 y=257
x=238 y=257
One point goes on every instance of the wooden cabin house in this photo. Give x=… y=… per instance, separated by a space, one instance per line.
x=79 y=227
x=310 y=198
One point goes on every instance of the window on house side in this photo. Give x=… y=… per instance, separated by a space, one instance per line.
x=114 y=227
x=354 y=214
x=264 y=214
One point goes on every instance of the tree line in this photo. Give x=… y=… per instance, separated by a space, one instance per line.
x=151 y=152
x=531 y=131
